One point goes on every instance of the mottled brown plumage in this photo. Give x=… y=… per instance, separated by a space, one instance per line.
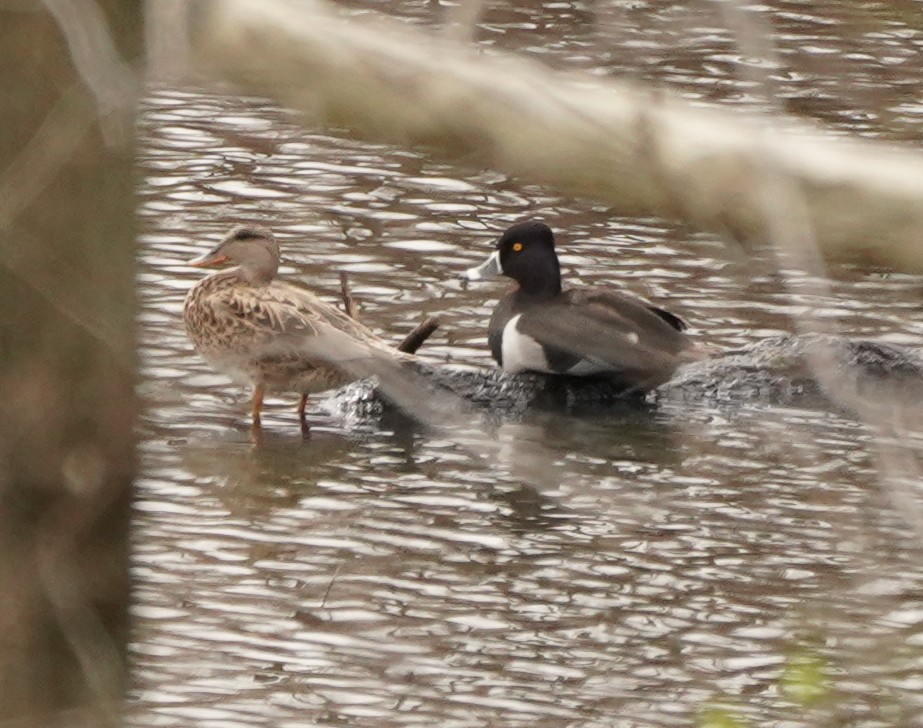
x=272 y=335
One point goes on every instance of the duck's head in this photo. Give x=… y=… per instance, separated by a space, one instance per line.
x=525 y=253
x=253 y=249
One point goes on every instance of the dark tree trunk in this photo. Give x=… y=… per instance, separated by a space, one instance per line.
x=66 y=373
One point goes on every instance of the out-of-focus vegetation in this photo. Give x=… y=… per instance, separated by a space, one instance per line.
x=66 y=362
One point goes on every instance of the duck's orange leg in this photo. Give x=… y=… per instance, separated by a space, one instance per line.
x=258 y=392
x=302 y=404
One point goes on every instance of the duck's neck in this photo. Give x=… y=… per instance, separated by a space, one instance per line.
x=259 y=273
x=540 y=283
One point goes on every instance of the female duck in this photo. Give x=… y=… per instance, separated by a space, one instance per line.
x=273 y=335
x=578 y=332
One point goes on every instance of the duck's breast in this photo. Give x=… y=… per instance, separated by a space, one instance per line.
x=520 y=352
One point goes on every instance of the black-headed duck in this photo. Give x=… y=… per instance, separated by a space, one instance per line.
x=577 y=332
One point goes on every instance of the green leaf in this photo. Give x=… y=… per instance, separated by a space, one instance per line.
x=718 y=717
x=805 y=678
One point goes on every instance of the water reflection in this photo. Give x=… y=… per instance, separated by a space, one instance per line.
x=377 y=574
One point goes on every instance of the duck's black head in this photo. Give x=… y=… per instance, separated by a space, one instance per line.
x=525 y=253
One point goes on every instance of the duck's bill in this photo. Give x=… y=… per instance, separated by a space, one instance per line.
x=207 y=260
x=490 y=268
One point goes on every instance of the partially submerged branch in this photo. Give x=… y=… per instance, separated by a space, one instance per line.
x=413 y=341
x=416 y=338
x=641 y=152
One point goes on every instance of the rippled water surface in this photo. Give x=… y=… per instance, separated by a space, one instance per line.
x=669 y=560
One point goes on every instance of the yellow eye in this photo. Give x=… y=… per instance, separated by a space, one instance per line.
x=517 y=247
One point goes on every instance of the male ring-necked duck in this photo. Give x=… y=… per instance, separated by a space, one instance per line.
x=579 y=332
x=270 y=334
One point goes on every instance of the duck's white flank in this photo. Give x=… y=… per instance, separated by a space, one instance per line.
x=522 y=353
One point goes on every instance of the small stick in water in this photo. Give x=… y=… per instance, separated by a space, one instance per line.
x=336 y=572
x=414 y=340
x=349 y=303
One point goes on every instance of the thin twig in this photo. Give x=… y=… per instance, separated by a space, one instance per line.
x=336 y=573
x=349 y=303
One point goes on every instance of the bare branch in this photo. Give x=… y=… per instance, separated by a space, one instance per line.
x=416 y=338
x=639 y=151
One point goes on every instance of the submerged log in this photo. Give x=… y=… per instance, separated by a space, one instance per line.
x=778 y=371
x=773 y=371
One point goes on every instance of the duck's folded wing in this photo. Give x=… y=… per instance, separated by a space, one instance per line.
x=632 y=341
x=606 y=302
x=281 y=310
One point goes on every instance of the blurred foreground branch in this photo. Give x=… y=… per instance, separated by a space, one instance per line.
x=66 y=360
x=643 y=152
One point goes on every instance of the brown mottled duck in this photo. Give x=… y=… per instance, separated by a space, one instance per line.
x=273 y=335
